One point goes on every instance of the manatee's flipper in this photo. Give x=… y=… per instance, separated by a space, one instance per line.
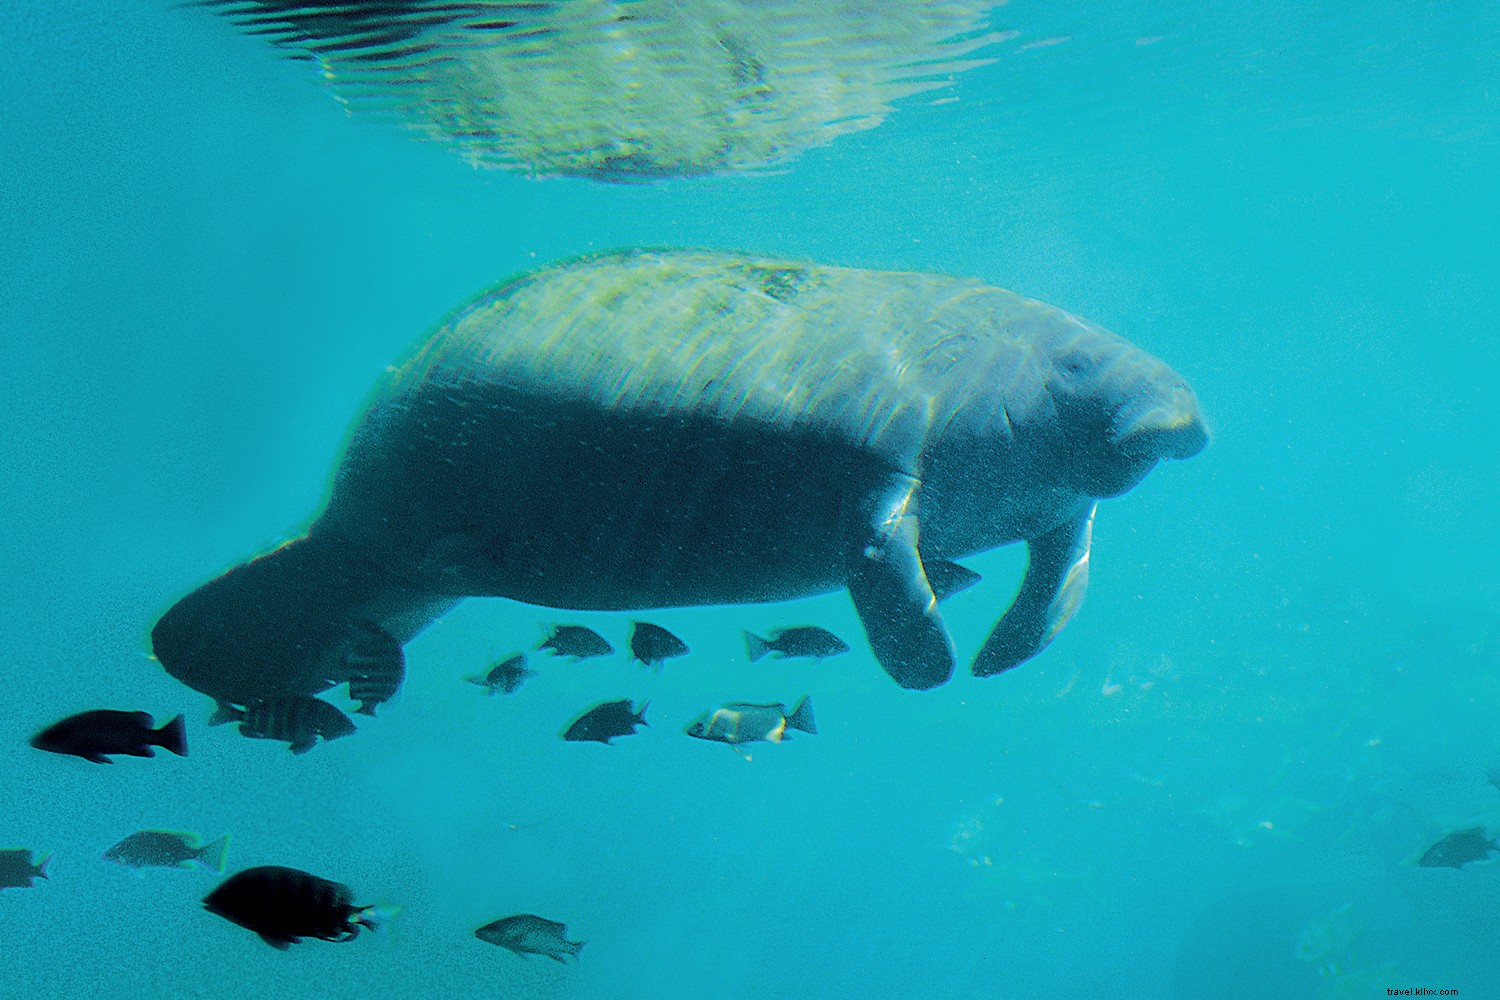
x=1056 y=577
x=948 y=578
x=891 y=593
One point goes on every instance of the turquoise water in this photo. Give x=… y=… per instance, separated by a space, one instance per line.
x=1281 y=689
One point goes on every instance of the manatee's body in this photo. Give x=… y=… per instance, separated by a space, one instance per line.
x=642 y=430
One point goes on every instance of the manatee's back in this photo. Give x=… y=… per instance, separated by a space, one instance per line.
x=698 y=385
x=730 y=338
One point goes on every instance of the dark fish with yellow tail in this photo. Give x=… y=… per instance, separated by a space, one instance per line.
x=17 y=870
x=1458 y=849
x=285 y=905
x=799 y=641
x=376 y=667
x=603 y=723
x=654 y=645
x=740 y=722
x=507 y=675
x=169 y=849
x=92 y=735
x=528 y=934
x=576 y=641
x=297 y=721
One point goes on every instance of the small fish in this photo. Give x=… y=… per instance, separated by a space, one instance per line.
x=17 y=871
x=948 y=578
x=507 y=675
x=527 y=934
x=739 y=722
x=298 y=721
x=1458 y=849
x=576 y=641
x=169 y=849
x=654 y=645
x=803 y=640
x=91 y=735
x=376 y=667
x=603 y=723
x=285 y=905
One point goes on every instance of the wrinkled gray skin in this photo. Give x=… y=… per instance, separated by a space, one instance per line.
x=652 y=429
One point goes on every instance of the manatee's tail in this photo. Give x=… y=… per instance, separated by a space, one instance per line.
x=755 y=646
x=802 y=717
x=173 y=737
x=212 y=855
x=225 y=713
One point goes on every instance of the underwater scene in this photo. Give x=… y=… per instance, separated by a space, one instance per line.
x=762 y=498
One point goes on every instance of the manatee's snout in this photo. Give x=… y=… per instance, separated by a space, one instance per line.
x=1166 y=423
x=1124 y=409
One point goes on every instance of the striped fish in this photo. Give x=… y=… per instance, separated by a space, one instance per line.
x=742 y=722
x=298 y=721
x=376 y=667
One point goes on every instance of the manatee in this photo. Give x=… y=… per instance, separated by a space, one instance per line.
x=648 y=429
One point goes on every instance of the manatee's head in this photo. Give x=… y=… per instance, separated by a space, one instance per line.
x=1120 y=410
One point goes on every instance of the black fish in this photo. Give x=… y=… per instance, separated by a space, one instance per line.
x=376 y=667
x=603 y=723
x=742 y=722
x=948 y=578
x=802 y=640
x=17 y=871
x=1458 y=849
x=285 y=905
x=91 y=735
x=168 y=849
x=528 y=934
x=507 y=675
x=298 y=721
x=576 y=641
x=654 y=645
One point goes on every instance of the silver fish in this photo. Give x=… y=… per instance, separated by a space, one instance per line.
x=169 y=849
x=529 y=934
x=741 y=722
x=801 y=640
